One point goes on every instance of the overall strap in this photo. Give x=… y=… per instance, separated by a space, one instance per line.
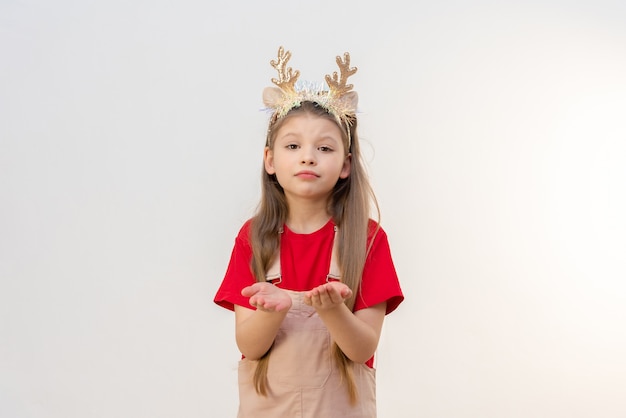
x=274 y=275
x=333 y=270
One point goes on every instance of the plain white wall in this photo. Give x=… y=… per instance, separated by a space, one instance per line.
x=130 y=151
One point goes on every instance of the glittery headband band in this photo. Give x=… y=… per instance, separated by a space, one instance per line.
x=338 y=99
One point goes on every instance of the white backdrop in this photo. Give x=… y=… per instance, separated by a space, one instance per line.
x=130 y=151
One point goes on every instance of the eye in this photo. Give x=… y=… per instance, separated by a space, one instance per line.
x=324 y=148
x=292 y=146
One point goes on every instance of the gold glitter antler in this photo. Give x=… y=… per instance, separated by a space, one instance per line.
x=339 y=100
x=286 y=78
x=337 y=84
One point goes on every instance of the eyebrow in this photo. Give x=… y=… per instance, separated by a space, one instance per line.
x=322 y=137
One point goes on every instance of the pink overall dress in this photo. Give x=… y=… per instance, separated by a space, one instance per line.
x=303 y=378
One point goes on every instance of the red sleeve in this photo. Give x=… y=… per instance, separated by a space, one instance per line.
x=380 y=280
x=239 y=274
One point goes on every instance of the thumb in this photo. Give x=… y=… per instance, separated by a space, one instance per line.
x=250 y=290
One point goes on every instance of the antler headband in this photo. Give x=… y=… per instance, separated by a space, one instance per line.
x=339 y=100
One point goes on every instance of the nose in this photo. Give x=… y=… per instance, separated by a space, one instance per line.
x=308 y=156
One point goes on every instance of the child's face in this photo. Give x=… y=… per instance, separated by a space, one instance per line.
x=308 y=157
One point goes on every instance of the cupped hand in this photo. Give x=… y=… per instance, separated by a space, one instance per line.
x=267 y=297
x=327 y=296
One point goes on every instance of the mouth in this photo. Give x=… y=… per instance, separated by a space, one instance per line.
x=306 y=174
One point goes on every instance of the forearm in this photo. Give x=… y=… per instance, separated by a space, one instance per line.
x=255 y=332
x=357 y=338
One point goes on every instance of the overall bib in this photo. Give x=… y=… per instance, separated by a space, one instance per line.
x=303 y=378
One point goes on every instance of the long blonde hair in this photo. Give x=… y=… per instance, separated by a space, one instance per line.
x=349 y=205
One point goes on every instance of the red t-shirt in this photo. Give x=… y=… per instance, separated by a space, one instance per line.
x=305 y=261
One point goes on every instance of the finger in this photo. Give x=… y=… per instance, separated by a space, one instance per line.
x=313 y=295
x=327 y=295
x=257 y=301
x=247 y=291
x=252 y=289
x=265 y=306
x=342 y=290
x=315 y=298
x=337 y=294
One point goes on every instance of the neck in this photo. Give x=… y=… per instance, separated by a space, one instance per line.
x=306 y=216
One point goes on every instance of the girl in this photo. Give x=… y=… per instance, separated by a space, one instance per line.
x=311 y=276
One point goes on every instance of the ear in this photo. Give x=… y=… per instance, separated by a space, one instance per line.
x=268 y=161
x=347 y=165
x=272 y=97
x=350 y=100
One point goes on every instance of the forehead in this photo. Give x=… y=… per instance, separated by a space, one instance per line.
x=309 y=126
